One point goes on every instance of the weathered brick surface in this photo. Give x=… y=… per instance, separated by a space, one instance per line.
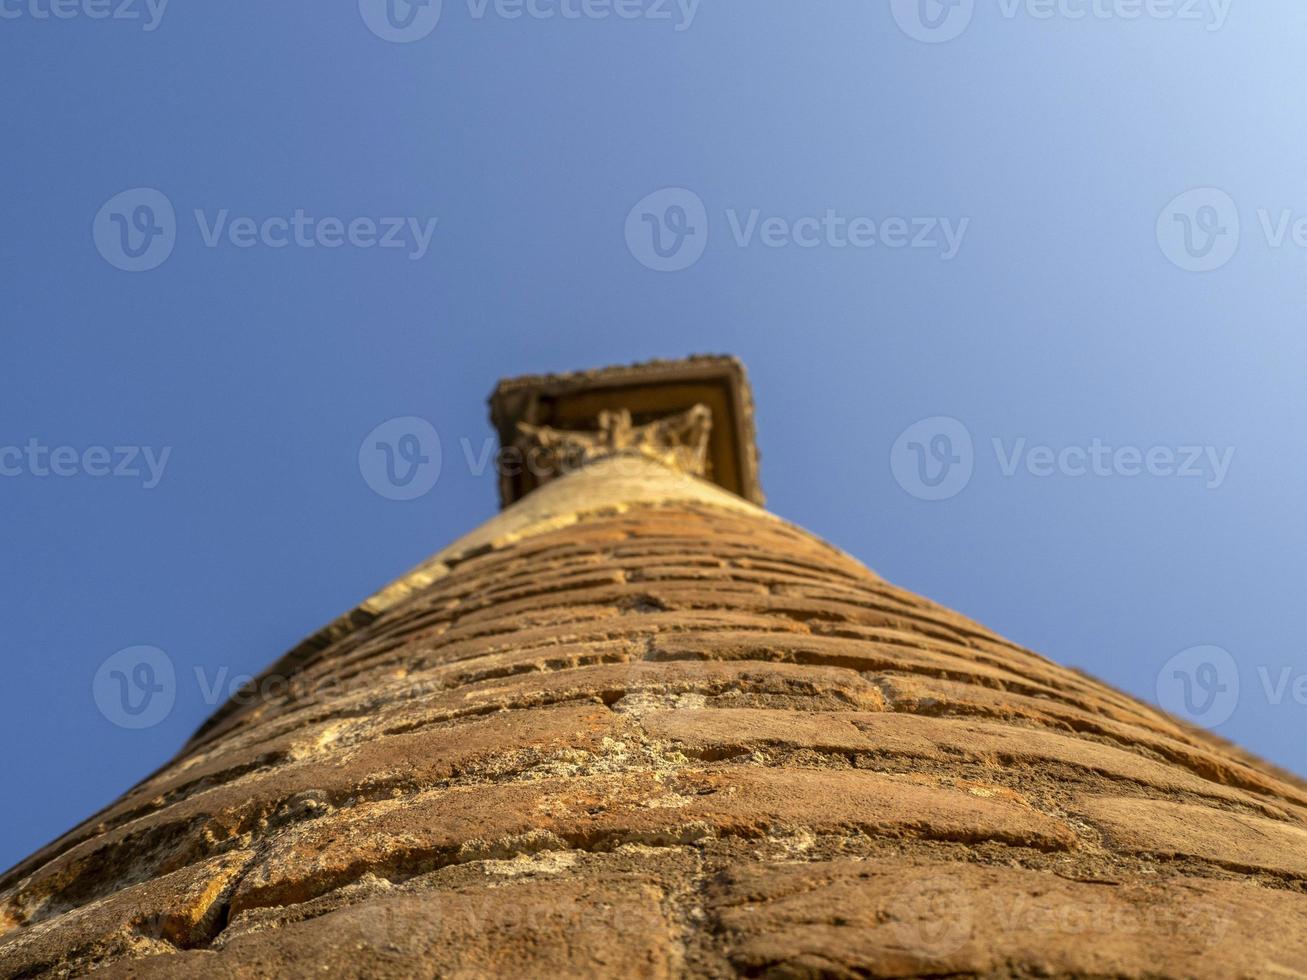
x=1170 y=830
x=666 y=803
x=672 y=740
x=892 y=918
x=570 y=928
x=160 y=915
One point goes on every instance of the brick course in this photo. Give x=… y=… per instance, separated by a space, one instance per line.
x=675 y=739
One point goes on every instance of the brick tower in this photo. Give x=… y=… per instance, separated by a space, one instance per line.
x=635 y=725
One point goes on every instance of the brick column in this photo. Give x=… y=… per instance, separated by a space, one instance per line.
x=637 y=726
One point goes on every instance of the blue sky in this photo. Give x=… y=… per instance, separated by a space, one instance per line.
x=1020 y=292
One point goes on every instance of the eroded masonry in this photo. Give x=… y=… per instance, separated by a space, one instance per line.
x=637 y=726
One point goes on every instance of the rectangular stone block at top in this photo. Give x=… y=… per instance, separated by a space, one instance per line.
x=649 y=391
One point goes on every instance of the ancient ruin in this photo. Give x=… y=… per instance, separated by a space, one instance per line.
x=637 y=726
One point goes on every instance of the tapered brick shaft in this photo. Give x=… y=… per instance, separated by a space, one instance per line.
x=637 y=726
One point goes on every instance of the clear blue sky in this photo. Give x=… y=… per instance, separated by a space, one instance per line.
x=1065 y=314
